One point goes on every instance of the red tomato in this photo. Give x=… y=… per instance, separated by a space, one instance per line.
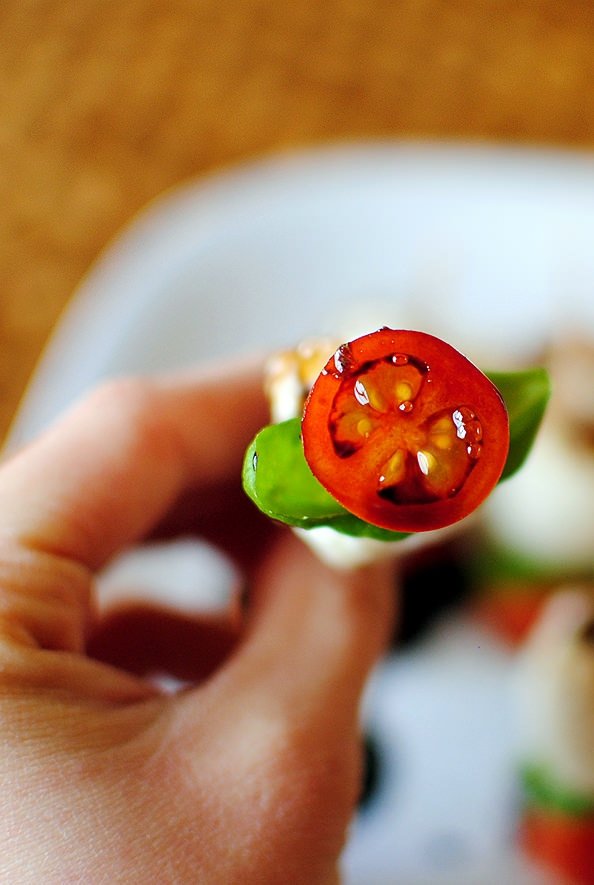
x=561 y=843
x=404 y=431
x=510 y=611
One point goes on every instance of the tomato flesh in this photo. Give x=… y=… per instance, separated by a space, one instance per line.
x=404 y=431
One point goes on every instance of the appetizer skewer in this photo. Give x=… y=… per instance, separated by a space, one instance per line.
x=555 y=693
x=393 y=433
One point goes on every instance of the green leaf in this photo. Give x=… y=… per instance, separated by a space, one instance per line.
x=277 y=478
x=358 y=528
x=526 y=395
x=542 y=790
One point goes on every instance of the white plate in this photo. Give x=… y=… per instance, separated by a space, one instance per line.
x=489 y=247
x=492 y=249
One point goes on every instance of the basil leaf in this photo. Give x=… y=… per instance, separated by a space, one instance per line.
x=277 y=478
x=526 y=395
x=358 y=528
x=542 y=790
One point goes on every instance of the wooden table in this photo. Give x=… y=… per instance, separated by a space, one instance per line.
x=105 y=103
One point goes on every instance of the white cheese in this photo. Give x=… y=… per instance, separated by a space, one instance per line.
x=554 y=692
x=546 y=511
x=345 y=551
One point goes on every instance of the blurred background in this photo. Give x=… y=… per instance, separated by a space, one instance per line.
x=107 y=106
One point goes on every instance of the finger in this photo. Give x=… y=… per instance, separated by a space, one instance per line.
x=38 y=595
x=315 y=635
x=169 y=611
x=288 y=701
x=223 y=515
x=105 y=473
x=162 y=644
x=317 y=631
x=100 y=478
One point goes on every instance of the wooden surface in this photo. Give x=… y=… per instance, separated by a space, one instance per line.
x=105 y=103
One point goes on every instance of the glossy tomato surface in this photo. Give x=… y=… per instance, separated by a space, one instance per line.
x=404 y=431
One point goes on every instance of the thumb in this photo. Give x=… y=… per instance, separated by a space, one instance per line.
x=317 y=631
x=315 y=634
x=286 y=706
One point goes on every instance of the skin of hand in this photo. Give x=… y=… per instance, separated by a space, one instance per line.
x=250 y=775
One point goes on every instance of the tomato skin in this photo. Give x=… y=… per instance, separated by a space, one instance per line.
x=404 y=431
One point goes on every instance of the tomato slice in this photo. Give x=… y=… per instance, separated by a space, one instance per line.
x=404 y=431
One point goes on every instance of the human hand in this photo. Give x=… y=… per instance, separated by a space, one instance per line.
x=251 y=775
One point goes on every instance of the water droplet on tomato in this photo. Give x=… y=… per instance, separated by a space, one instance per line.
x=360 y=392
x=344 y=360
x=400 y=359
x=424 y=462
x=458 y=420
x=467 y=424
x=406 y=407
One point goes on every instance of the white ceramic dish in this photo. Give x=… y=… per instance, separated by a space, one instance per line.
x=491 y=248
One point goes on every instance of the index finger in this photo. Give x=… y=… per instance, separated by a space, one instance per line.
x=107 y=471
